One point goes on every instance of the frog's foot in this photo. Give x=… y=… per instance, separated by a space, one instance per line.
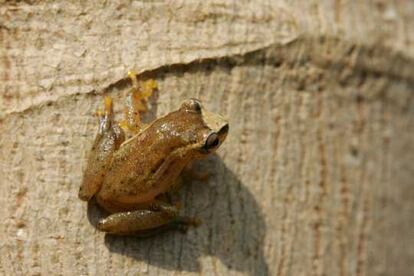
x=108 y=130
x=183 y=223
x=201 y=176
x=163 y=206
x=136 y=102
x=105 y=116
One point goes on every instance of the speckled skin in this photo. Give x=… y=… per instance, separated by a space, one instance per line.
x=127 y=177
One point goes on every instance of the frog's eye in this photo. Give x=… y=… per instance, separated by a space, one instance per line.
x=212 y=142
x=192 y=105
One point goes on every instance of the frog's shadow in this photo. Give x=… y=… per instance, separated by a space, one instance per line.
x=233 y=228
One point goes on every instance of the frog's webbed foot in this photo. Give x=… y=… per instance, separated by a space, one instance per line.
x=160 y=217
x=108 y=139
x=136 y=103
x=107 y=125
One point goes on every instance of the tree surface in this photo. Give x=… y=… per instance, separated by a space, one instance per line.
x=315 y=177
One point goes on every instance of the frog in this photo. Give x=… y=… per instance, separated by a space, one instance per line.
x=131 y=178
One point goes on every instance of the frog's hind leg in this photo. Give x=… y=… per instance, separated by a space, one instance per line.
x=179 y=223
x=145 y=222
x=136 y=102
x=108 y=139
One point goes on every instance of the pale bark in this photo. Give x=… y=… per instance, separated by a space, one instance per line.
x=315 y=178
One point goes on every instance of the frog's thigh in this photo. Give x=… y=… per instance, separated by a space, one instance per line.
x=178 y=223
x=135 y=221
x=108 y=140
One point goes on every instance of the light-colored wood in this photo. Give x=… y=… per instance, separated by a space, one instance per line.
x=315 y=178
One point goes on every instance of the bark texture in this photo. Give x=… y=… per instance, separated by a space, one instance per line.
x=316 y=175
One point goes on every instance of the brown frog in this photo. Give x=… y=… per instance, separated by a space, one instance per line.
x=131 y=178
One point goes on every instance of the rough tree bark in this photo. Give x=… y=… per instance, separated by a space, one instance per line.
x=315 y=178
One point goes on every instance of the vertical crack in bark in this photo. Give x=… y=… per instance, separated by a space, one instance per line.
x=320 y=205
x=343 y=221
x=362 y=132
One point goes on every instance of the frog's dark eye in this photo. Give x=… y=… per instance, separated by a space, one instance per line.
x=212 y=142
x=192 y=105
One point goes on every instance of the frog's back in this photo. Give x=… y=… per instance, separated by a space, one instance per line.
x=130 y=178
x=127 y=180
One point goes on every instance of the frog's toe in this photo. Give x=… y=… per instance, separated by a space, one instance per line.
x=148 y=88
x=132 y=75
x=192 y=221
x=107 y=110
x=182 y=224
x=108 y=104
x=141 y=90
x=99 y=112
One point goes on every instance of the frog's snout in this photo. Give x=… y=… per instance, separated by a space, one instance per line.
x=222 y=133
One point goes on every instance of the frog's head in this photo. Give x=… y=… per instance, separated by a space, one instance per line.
x=214 y=127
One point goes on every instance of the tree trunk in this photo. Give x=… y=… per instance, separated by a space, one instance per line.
x=315 y=177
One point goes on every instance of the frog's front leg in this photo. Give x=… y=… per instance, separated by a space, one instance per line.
x=136 y=102
x=108 y=139
x=146 y=222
